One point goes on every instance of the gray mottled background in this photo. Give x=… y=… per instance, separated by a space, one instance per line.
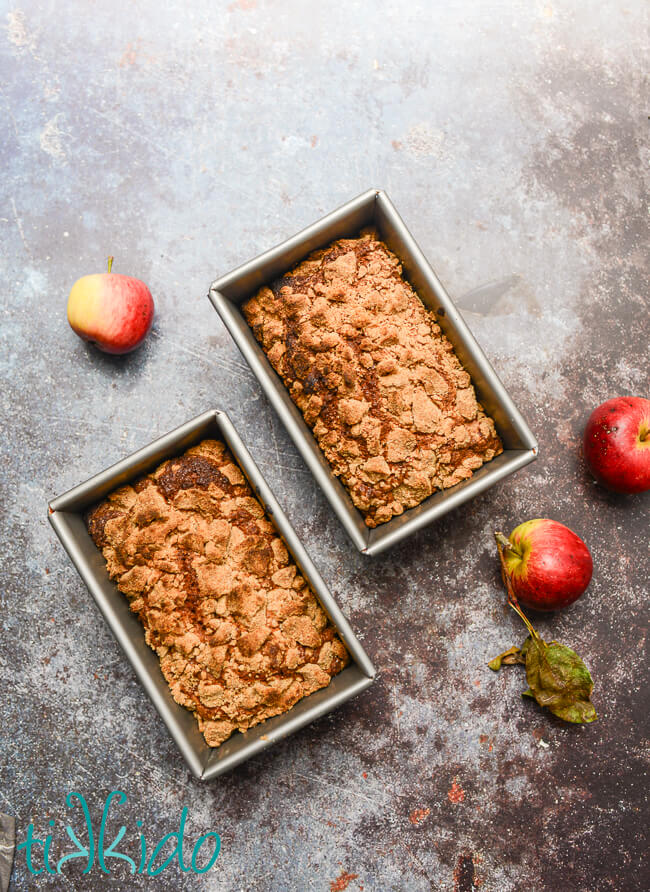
x=184 y=139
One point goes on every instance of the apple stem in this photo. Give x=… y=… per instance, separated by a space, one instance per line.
x=512 y=598
x=110 y=263
x=506 y=544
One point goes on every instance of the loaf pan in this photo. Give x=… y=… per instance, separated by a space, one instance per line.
x=66 y=514
x=374 y=208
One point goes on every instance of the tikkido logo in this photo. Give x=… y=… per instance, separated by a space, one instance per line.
x=98 y=850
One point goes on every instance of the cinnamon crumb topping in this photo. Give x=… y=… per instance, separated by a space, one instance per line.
x=240 y=635
x=378 y=383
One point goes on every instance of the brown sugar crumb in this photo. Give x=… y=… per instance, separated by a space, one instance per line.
x=240 y=635
x=378 y=383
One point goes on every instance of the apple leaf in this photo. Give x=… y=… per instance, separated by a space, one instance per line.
x=507 y=658
x=557 y=678
x=560 y=681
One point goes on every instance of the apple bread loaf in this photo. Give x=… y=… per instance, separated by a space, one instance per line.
x=240 y=635
x=387 y=398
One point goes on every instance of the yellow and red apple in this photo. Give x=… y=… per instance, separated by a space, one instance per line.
x=617 y=444
x=112 y=311
x=549 y=566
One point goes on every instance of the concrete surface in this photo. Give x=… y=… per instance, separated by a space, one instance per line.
x=184 y=139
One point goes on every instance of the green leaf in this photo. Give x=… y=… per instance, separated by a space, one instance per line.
x=559 y=680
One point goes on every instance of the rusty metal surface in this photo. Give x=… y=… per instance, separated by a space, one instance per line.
x=513 y=138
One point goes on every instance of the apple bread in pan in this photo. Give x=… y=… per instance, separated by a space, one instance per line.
x=240 y=635
x=380 y=386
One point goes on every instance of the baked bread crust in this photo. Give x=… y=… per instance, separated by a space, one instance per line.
x=240 y=635
x=378 y=383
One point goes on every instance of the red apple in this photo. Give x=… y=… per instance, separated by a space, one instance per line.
x=112 y=311
x=617 y=444
x=548 y=565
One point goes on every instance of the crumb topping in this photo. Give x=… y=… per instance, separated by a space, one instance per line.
x=378 y=383
x=240 y=635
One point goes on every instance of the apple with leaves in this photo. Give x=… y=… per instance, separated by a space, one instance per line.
x=557 y=677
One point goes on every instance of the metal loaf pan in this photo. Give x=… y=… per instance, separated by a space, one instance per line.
x=66 y=516
x=374 y=207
